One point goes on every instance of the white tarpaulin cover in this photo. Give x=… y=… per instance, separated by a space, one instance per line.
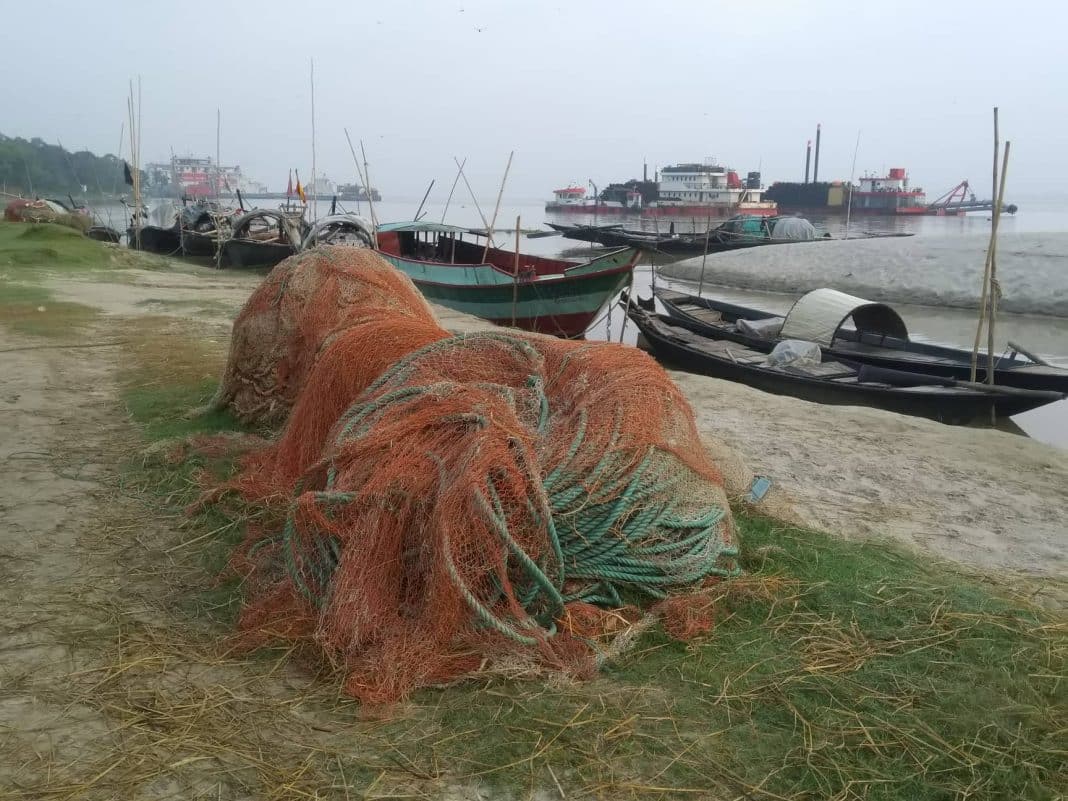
x=818 y=315
x=796 y=228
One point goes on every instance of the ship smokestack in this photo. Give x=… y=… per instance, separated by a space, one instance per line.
x=645 y=171
x=808 y=158
x=816 y=166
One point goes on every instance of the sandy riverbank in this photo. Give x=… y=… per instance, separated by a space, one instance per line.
x=987 y=499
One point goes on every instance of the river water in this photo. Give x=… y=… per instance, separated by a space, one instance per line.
x=927 y=277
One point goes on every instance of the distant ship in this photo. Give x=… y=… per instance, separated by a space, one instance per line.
x=198 y=178
x=889 y=195
x=682 y=190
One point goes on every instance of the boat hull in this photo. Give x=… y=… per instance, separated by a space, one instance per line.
x=951 y=407
x=699 y=212
x=564 y=305
x=198 y=245
x=911 y=356
x=249 y=253
x=154 y=239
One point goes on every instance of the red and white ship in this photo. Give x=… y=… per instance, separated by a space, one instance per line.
x=889 y=194
x=683 y=190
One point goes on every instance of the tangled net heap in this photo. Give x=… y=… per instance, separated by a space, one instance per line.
x=472 y=496
x=305 y=302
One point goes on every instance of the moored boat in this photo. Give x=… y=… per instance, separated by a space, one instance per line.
x=263 y=238
x=878 y=336
x=831 y=380
x=534 y=293
x=155 y=239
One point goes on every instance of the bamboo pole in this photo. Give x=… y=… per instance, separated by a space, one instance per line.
x=656 y=230
x=370 y=199
x=359 y=172
x=315 y=178
x=852 y=174
x=497 y=207
x=995 y=289
x=218 y=158
x=515 y=272
x=986 y=265
x=704 y=256
x=455 y=181
x=471 y=192
x=422 y=203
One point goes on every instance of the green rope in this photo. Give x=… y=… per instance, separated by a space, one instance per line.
x=627 y=525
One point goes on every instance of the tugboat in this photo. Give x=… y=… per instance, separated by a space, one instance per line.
x=888 y=194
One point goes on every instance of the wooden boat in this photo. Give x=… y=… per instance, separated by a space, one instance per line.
x=199 y=244
x=609 y=236
x=833 y=381
x=155 y=239
x=264 y=237
x=103 y=233
x=878 y=336
x=340 y=229
x=529 y=292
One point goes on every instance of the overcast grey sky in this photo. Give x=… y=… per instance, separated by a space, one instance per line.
x=578 y=88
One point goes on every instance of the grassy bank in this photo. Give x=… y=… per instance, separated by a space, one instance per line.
x=836 y=670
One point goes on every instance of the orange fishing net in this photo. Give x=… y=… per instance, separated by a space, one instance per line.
x=470 y=495
x=294 y=312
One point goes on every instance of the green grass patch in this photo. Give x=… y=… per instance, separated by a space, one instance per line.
x=57 y=248
x=52 y=246
x=31 y=309
x=836 y=670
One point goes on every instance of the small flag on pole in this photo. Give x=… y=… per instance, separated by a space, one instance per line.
x=127 y=174
x=300 y=189
x=289 y=186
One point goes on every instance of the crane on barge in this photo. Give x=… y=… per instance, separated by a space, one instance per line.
x=960 y=200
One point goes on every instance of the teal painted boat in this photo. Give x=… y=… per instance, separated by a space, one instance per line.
x=551 y=296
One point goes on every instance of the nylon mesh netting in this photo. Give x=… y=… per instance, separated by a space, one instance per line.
x=298 y=308
x=469 y=496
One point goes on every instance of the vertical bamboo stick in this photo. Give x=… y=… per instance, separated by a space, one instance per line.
x=315 y=179
x=497 y=207
x=370 y=199
x=471 y=192
x=986 y=265
x=995 y=290
x=515 y=273
x=704 y=256
x=455 y=181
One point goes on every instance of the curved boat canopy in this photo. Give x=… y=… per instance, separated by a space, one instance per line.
x=419 y=227
x=818 y=315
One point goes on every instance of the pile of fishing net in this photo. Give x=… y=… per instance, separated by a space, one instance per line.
x=304 y=303
x=45 y=211
x=457 y=500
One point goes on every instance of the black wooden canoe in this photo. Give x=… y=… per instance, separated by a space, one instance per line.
x=719 y=320
x=252 y=253
x=834 y=381
x=200 y=244
x=155 y=239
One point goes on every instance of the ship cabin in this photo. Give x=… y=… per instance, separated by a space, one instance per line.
x=569 y=196
x=706 y=183
x=889 y=193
